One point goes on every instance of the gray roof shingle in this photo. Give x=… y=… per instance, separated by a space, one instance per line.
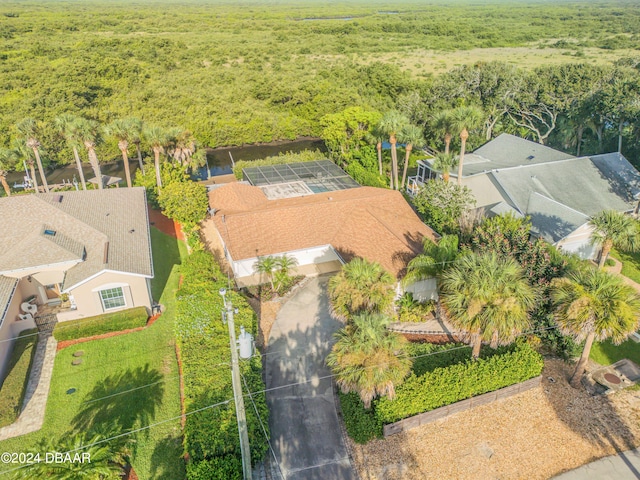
x=7 y=287
x=84 y=222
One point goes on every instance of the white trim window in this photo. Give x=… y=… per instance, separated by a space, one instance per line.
x=112 y=298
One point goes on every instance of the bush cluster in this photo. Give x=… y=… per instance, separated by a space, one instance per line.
x=14 y=384
x=438 y=380
x=211 y=435
x=106 y=323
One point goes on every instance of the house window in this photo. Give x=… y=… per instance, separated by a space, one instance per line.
x=112 y=298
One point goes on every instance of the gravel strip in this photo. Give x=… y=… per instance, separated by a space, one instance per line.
x=534 y=435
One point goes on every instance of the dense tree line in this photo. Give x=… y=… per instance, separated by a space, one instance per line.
x=233 y=76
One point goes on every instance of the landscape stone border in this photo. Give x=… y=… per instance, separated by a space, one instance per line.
x=447 y=410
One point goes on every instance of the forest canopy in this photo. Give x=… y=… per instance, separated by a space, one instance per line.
x=254 y=74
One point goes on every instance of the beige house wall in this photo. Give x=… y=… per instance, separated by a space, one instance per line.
x=87 y=299
x=579 y=242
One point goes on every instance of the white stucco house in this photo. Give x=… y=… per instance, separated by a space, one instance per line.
x=558 y=191
x=83 y=252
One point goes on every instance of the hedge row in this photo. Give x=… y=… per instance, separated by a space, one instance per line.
x=289 y=157
x=13 y=387
x=440 y=379
x=106 y=323
x=211 y=435
x=444 y=386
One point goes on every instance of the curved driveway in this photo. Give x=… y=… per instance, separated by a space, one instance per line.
x=305 y=432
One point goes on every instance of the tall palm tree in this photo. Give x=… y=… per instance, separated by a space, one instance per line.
x=183 y=148
x=361 y=286
x=614 y=229
x=123 y=130
x=391 y=124
x=137 y=128
x=368 y=359
x=28 y=130
x=444 y=162
x=23 y=154
x=67 y=126
x=7 y=163
x=157 y=138
x=434 y=259
x=266 y=266
x=592 y=304
x=488 y=297
x=88 y=134
x=411 y=136
x=443 y=123
x=463 y=120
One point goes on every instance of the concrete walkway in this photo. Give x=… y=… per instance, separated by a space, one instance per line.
x=35 y=399
x=305 y=431
x=624 y=466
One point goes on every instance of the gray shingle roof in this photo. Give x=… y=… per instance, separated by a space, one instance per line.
x=552 y=220
x=507 y=151
x=7 y=286
x=87 y=223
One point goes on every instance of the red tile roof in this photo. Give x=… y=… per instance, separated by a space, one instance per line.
x=373 y=223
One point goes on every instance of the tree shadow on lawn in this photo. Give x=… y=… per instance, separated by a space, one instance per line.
x=166 y=455
x=122 y=401
x=166 y=254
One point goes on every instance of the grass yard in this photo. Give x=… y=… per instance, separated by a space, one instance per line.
x=125 y=382
x=630 y=264
x=14 y=385
x=606 y=353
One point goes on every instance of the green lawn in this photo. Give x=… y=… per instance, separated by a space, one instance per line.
x=630 y=264
x=606 y=353
x=14 y=385
x=113 y=368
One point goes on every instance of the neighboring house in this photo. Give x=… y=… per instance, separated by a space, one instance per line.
x=558 y=191
x=321 y=219
x=73 y=254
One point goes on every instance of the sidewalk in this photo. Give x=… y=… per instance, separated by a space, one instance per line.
x=624 y=466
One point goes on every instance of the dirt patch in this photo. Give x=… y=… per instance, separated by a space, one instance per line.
x=164 y=224
x=534 y=435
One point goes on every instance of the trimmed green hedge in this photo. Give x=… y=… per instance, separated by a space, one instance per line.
x=440 y=379
x=211 y=435
x=289 y=157
x=14 y=385
x=444 y=386
x=109 y=322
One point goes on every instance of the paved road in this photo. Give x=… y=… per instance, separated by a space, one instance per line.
x=304 y=424
x=624 y=466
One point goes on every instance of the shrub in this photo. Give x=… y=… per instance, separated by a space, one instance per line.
x=211 y=434
x=410 y=310
x=610 y=262
x=184 y=202
x=289 y=157
x=169 y=172
x=361 y=424
x=444 y=386
x=428 y=356
x=108 y=322
x=366 y=177
x=14 y=385
x=441 y=205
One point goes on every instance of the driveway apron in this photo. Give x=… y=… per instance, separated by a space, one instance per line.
x=305 y=432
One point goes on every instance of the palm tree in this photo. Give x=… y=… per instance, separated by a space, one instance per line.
x=136 y=138
x=183 y=148
x=368 y=359
x=67 y=126
x=7 y=163
x=24 y=154
x=488 y=297
x=28 y=130
x=463 y=120
x=283 y=267
x=124 y=132
x=266 y=265
x=592 y=304
x=443 y=123
x=391 y=124
x=376 y=137
x=411 y=136
x=434 y=259
x=444 y=162
x=108 y=459
x=614 y=229
x=361 y=286
x=87 y=131
x=157 y=138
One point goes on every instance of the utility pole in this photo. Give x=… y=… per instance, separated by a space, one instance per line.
x=237 y=388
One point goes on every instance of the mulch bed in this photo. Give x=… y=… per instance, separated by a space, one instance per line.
x=68 y=343
x=164 y=224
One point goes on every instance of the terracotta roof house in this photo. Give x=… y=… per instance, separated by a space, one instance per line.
x=91 y=246
x=558 y=191
x=321 y=230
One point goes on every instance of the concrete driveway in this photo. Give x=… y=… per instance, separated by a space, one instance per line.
x=305 y=432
